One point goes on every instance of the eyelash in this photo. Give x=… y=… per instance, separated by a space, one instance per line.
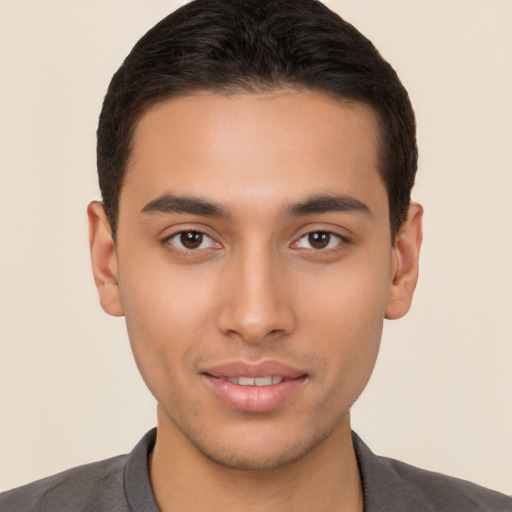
x=190 y=251
x=186 y=250
x=341 y=241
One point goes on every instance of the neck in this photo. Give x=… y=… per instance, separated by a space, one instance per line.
x=184 y=479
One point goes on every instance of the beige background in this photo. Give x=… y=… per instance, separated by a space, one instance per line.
x=441 y=395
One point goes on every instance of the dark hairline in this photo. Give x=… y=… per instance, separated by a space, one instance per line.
x=229 y=46
x=235 y=89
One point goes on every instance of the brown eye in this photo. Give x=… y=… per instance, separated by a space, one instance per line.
x=191 y=239
x=319 y=239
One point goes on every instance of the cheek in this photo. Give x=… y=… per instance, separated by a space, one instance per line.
x=168 y=300
x=345 y=316
x=166 y=317
x=352 y=295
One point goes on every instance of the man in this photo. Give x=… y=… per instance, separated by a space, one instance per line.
x=256 y=161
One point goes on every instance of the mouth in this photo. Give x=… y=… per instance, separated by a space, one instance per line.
x=255 y=381
x=255 y=388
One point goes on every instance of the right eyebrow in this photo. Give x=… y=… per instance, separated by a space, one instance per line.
x=169 y=203
x=326 y=203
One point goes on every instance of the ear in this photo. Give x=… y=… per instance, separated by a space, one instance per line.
x=104 y=259
x=406 y=253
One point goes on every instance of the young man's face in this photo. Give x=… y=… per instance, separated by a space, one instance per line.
x=254 y=267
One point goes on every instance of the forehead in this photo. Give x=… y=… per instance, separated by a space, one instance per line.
x=236 y=148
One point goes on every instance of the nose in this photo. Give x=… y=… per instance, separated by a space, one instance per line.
x=257 y=305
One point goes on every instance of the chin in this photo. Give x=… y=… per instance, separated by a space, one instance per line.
x=257 y=451
x=256 y=460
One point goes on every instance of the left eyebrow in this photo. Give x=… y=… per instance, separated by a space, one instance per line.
x=326 y=203
x=168 y=203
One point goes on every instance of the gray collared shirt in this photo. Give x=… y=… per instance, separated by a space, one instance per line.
x=122 y=484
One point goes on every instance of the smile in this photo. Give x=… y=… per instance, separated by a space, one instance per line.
x=258 y=388
x=255 y=381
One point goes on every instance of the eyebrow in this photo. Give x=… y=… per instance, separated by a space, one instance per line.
x=322 y=203
x=325 y=203
x=168 y=203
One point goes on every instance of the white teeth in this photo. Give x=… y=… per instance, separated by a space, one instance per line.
x=263 y=381
x=258 y=381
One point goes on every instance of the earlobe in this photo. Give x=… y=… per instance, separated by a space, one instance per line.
x=104 y=259
x=406 y=251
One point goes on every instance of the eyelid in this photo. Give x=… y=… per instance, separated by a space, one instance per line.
x=330 y=233
x=338 y=231
x=168 y=240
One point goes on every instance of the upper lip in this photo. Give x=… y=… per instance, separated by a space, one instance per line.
x=235 y=369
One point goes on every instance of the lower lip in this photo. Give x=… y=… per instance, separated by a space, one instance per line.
x=254 y=398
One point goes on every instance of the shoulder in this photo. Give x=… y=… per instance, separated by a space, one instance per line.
x=97 y=486
x=442 y=492
x=391 y=485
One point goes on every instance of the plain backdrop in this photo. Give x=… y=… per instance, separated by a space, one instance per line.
x=441 y=394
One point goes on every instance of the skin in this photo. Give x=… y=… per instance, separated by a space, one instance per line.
x=258 y=287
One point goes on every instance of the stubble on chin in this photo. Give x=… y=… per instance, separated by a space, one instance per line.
x=263 y=455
